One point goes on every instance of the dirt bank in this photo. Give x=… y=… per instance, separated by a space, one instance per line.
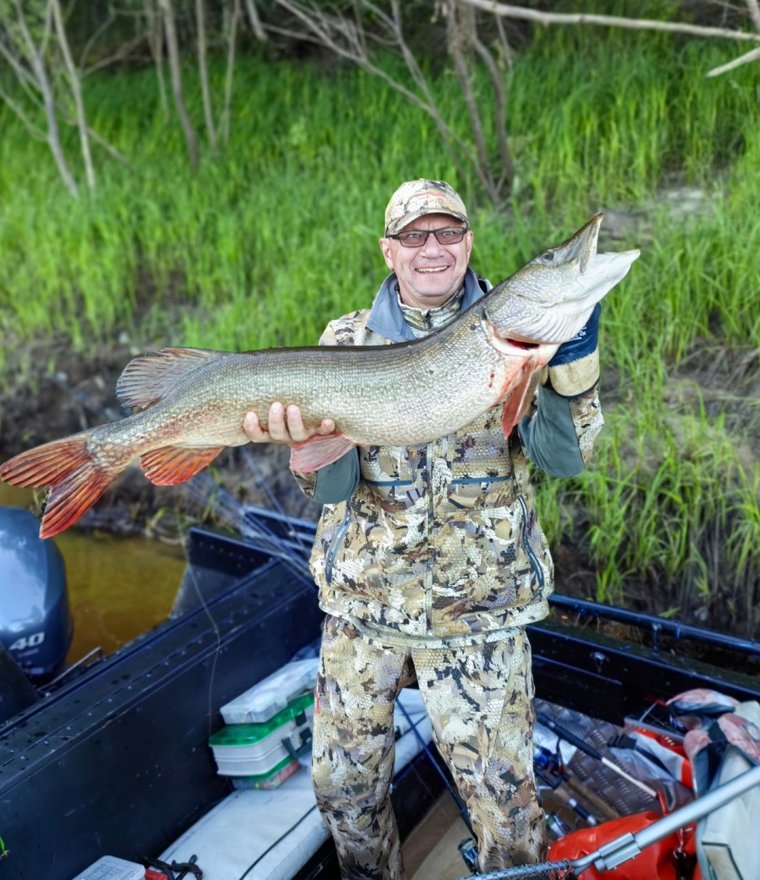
x=51 y=391
x=40 y=403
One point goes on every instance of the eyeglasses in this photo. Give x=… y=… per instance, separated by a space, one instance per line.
x=416 y=238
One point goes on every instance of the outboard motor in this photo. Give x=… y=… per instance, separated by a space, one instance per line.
x=35 y=620
x=16 y=691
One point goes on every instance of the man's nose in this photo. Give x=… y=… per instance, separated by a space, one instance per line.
x=431 y=246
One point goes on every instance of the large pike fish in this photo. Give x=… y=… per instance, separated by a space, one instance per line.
x=191 y=402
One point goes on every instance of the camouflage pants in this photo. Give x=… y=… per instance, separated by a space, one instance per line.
x=480 y=703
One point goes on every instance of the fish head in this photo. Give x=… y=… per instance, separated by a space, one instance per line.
x=551 y=298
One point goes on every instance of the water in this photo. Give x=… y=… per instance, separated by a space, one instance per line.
x=118 y=587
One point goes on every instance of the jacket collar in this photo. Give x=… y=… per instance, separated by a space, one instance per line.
x=387 y=319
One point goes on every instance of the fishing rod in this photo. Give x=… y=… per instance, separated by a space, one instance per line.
x=431 y=757
x=206 y=492
x=569 y=736
x=550 y=770
x=628 y=846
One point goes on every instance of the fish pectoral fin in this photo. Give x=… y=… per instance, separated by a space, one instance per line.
x=319 y=451
x=147 y=378
x=171 y=465
x=518 y=400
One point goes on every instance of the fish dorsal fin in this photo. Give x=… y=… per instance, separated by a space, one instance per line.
x=147 y=378
x=171 y=465
x=319 y=451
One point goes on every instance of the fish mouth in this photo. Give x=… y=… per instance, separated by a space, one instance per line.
x=582 y=245
x=505 y=344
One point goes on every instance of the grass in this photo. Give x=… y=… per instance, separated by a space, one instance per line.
x=262 y=246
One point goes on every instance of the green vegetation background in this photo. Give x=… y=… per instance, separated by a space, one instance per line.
x=279 y=234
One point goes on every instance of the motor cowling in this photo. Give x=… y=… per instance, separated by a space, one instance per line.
x=35 y=619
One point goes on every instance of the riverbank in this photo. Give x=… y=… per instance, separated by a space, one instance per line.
x=53 y=391
x=266 y=241
x=66 y=391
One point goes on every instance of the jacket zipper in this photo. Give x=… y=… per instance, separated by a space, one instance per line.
x=528 y=549
x=429 y=573
x=332 y=550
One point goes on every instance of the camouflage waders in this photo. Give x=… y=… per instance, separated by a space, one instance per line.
x=479 y=700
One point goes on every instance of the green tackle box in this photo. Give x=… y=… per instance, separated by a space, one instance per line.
x=263 y=755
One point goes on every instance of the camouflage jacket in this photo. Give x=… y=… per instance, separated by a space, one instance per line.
x=440 y=543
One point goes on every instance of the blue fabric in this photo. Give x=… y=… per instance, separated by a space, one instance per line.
x=338 y=481
x=549 y=437
x=387 y=319
x=582 y=344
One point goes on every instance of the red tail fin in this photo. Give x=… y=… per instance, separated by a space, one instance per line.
x=75 y=478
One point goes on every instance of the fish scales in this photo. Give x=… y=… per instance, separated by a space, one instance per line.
x=190 y=403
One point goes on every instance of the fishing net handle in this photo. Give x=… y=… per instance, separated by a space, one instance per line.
x=562 y=869
x=628 y=845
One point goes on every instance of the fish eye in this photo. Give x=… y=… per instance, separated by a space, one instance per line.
x=547 y=257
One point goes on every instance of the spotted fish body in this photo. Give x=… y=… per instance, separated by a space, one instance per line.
x=190 y=403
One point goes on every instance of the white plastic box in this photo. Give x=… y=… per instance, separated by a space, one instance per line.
x=112 y=868
x=270 y=696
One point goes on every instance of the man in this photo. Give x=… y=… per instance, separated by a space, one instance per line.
x=430 y=562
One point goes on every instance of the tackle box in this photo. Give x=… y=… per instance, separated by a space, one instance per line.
x=261 y=755
x=273 y=694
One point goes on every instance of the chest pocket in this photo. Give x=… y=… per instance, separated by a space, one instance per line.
x=466 y=493
x=482 y=471
x=395 y=475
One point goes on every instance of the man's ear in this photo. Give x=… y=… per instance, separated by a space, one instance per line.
x=385 y=247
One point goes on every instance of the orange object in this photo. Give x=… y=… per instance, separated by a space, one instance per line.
x=659 y=861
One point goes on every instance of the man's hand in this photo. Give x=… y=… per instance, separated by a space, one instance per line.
x=285 y=425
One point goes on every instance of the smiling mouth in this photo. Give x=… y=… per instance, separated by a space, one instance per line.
x=432 y=270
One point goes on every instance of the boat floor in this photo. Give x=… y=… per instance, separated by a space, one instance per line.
x=431 y=851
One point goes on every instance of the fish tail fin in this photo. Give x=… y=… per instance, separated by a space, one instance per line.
x=75 y=478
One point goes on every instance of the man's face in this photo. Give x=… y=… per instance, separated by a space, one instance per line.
x=430 y=275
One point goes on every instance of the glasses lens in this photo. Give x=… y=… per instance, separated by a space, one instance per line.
x=416 y=238
x=451 y=235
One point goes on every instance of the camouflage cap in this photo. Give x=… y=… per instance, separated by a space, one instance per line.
x=415 y=198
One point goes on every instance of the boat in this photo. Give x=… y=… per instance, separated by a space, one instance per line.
x=114 y=761
x=35 y=620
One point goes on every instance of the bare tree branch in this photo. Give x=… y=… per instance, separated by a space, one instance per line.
x=229 y=76
x=255 y=20
x=754 y=13
x=75 y=84
x=110 y=149
x=25 y=77
x=460 y=25
x=752 y=55
x=208 y=113
x=35 y=59
x=34 y=130
x=100 y=29
x=500 y=102
x=347 y=39
x=156 y=46
x=535 y=15
x=124 y=51
x=175 y=67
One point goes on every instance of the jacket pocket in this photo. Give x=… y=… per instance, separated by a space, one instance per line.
x=393 y=476
x=476 y=492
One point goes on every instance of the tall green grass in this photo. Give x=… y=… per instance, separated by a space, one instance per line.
x=279 y=234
